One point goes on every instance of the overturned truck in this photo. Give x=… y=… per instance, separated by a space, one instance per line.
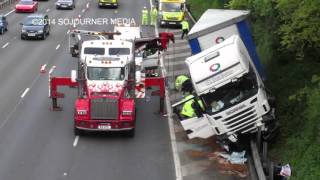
x=228 y=79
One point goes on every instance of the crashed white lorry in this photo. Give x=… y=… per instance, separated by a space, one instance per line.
x=226 y=79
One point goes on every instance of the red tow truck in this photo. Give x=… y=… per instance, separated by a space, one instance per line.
x=110 y=77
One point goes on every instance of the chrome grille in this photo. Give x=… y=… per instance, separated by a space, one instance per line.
x=242 y=121
x=104 y=108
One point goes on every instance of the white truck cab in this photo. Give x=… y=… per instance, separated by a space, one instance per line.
x=227 y=82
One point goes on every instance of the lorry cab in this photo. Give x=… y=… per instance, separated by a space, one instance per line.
x=171 y=12
x=109 y=72
x=231 y=90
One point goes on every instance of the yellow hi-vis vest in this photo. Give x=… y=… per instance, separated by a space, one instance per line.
x=144 y=14
x=185 y=25
x=187 y=109
x=154 y=12
x=180 y=80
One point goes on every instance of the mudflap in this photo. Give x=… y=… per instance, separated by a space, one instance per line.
x=197 y=128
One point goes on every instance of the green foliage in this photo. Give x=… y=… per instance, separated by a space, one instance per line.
x=199 y=6
x=300 y=29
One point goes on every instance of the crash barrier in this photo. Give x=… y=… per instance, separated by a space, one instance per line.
x=5 y=3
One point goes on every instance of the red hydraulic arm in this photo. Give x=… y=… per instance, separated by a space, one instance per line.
x=54 y=82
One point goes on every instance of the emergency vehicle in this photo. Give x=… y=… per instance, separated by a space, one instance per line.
x=171 y=12
x=109 y=79
x=108 y=3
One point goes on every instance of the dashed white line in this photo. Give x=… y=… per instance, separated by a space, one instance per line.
x=58 y=46
x=75 y=142
x=5 y=45
x=83 y=10
x=24 y=93
x=68 y=31
x=47 y=10
x=79 y=37
x=174 y=148
x=10 y=12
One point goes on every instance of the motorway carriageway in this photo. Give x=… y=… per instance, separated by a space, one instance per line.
x=38 y=144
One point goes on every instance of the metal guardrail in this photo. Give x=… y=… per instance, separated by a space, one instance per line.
x=5 y=3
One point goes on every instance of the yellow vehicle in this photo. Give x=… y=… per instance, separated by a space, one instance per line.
x=108 y=3
x=171 y=12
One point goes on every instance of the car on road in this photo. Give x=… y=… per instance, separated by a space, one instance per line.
x=3 y=24
x=27 y=6
x=108 y=3
x=35 y=26
x=65 y=4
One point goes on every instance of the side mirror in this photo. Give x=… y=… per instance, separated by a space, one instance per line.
x=73 y=76
x=138 y=76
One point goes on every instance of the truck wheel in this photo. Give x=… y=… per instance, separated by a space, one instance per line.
x=77 y=132
x=131 y=133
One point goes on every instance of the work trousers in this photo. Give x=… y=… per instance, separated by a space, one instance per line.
x=184 y=32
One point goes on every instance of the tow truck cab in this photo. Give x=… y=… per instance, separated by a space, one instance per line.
x=107 y=80
x=171 y=12
x=108 y=3
x=231 y=90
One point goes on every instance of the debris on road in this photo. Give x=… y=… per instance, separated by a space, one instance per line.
x=233 y=164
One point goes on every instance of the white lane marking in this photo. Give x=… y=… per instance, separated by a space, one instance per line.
x=47 y=10
x=10 y=12
x=4 y=46
x=75 y=142
x=16 y=106
x=176 y=158
x=83 y=10
x=68 y=31
x=58 y=46
x=52 y=69
x=79 y=37
x=87 y=5
x=24 y=93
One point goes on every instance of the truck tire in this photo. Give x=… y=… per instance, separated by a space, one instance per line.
x=77 y=132
x=131 y=133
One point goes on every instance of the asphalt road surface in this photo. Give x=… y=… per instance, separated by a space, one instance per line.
x=37 y=143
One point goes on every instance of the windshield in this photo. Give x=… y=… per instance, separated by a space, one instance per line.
x=26 y=2
x=34 y=21
x=171 y=7
x=103 y=73
x=94 y=50
x=231 y=94
x=119 y=51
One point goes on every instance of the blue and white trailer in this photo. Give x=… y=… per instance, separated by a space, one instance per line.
x=216 y=25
